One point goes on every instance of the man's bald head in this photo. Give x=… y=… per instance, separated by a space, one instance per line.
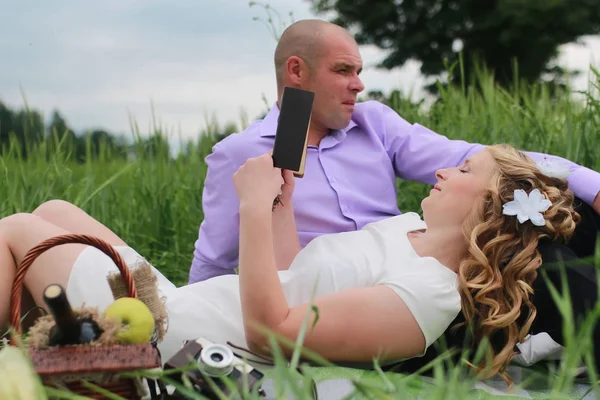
x=304 y=39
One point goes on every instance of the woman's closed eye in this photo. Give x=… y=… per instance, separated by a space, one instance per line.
x=465 y=167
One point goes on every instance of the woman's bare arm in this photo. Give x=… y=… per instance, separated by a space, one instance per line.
x=354 y=325
x=285 y=235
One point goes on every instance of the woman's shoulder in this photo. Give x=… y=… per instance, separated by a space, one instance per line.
x=393 y=233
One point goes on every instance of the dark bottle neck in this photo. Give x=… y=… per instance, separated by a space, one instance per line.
x=69 y=328
x=60 y=308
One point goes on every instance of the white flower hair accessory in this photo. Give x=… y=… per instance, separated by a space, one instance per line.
x=527 y=207
x=553 y=168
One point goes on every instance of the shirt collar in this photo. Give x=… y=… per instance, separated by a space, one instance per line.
x=268 y=126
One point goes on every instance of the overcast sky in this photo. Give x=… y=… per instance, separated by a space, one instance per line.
x=99 y=62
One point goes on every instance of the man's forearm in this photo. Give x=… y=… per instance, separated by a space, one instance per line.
x=596 y=205
x=583 y=181
x=262 y=298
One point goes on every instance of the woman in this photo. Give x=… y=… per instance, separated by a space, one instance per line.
x=388 y=290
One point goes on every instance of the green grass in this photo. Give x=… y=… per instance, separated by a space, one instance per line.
x=153 y=201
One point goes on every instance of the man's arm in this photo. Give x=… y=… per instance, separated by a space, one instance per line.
x=216 y=250
x=417 y=152
x=584 y=182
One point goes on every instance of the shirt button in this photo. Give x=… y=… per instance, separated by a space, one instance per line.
x=344 y=209
x=332 y=179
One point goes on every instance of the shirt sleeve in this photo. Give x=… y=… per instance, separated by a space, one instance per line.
x=417 y=152
x=430 y=291
x=216 y=249
x=584 y=182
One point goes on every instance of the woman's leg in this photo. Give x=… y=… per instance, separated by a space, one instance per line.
x=73 y=219
x=18 y=234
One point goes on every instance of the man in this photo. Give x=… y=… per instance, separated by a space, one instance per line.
x=355 y=152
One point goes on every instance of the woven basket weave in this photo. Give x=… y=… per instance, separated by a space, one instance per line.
x=66 y=366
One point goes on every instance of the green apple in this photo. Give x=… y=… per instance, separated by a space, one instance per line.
x=136 y=317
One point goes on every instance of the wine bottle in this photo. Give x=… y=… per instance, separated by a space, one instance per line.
x=68 y=329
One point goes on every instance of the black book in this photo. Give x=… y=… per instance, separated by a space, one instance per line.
x=291 y=137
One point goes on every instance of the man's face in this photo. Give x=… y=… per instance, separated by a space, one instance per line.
x=335 y=81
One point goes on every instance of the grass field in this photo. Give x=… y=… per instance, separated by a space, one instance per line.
x=153 y=201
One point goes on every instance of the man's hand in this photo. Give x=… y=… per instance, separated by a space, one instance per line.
x=596 y=205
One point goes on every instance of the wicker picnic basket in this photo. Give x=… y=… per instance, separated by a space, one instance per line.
x=67 y=367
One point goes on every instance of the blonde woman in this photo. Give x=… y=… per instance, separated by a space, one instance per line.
x=388 y=290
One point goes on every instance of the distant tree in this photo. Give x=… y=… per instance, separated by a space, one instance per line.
x=101 y=137
x=28 y=129
x=154 y=147
x=63 y=137
x=6 y=123
x=494 y=33
x=29 y=126
x=58 y=126
x=26 y=126
x=102 y=144
x=6 y=116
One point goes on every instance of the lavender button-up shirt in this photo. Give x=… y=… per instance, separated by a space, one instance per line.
x=349 y=179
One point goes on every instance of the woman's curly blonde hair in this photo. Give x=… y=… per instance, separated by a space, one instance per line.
x=495 y=278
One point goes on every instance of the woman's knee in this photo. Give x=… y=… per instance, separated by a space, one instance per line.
x=18 y=222
x=18 y=219
x=53 y=208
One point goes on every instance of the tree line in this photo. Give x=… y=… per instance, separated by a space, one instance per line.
x=24 y=132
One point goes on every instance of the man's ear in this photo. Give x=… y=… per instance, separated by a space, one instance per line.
x=295 y=69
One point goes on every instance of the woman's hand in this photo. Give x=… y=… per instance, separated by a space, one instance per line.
x=258 y=182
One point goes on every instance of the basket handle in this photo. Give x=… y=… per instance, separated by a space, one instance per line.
x=35 y=252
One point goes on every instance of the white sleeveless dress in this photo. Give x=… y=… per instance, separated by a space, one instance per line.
x=378 y=254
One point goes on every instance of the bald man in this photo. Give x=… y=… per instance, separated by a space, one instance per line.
x=355 y=152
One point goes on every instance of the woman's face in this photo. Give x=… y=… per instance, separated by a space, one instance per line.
x=457 y=191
